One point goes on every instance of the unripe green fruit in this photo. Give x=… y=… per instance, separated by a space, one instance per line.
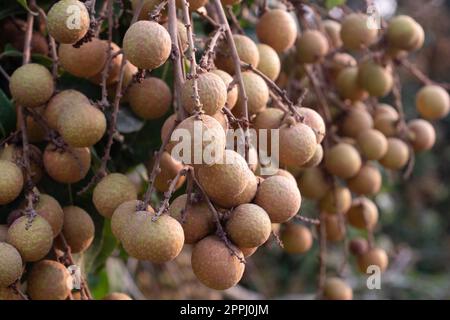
x=61 y=101
x=316 y=158
x=49 y=280
x=10 y=264
x=11 y=183
x=32 y=239
x=232 y=95
x=433 y=102
x=61 y=24
x=85 y=61
x=214 y=265
x=315 y=121
x=374 y=256
x=246 y=49
x=249 y=226
x=78 y=228
x=50 y=209
x=297 y=144
x=387 y=124
x=211 y=90
x=358 y=246
x=378 y=81
x=269 y=62
x=404 y=33
x=67 y=166
x=367 y=181
x=112 y=191
x=343 y=160
x=147 y=44
x=355 y=32
x=333 y=31
x=121 y=217
x=198 y=219
x=277 y=28
x=81 y=125
x=347 y=84
x=257 y=93
x=313 y=183
x=279 y=197
x=117 y=296
x=397 y=154
x=336 y=200
x=296 y=238
x=372 y=144
x=150 y=99
x=31 y=85
x=312 y=46
x=335 y=228
x=363 y=214
x=423 y=134
x=337 y=289
x=356 y=121
x=169 y=169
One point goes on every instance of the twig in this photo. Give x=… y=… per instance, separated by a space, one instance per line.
x=324 y=107
x=207 y=18
x=17 y=290
x=322 y=254
x=307 y=220
x=205 y=61
x=234 y=20
x=104 y=102
x=422 y=77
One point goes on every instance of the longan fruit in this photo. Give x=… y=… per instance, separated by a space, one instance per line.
x=78 y=228
x=60 y=101
x=397 y=154
x=358 y=246
x=343 y=160
x=14 y=153
x=347 y=84
x=3 y=232
x=333 y=31
x=355 y=33
x=246 y=49
x=340 y=61
x=315 y=121
x=296 y=238
x=269 y=118
x=50 y=209
x=249 y=192
x=114 y=69
x=355 y=121
x=117 y=296
x=61 y=24
x=10 y=265
x=121 y=217
x=383 y=109
x=150 y=99
x=423 y=134
x=269 y=61
x=432 y=102
x=312 y=46
x=335 y=228
x=11 y=183
x=387 y=124
x=232 y=95
x=336 y=200
x=404 y=33
x=257 y=93
x=374 y=256
x=278 y=29
x=49 y=280
x=372 y=144
x=169 y=169
x=374 y=78
x=35 y=132
x=316 y=158
x=8 y=293
x=313 y=183
x=147 y=7
x=297 y=144
x=336 y=289
x=363 y=214
x=367 y=181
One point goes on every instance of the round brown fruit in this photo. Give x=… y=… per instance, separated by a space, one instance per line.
x=372 y=144
x=397 y=155
x=11 y=183
x=335 y=228
x=249 y=192
x=373 y=257
x=358 y=246
x=60 y=21
x=278 y=29
x=117 y=296
x=232 y=94
x=363 y=214
x=343 y=160
x=433 y=102
x=423 y=135
x=383 y=108
x=356 y=121
x=297 y=145
x=333 y=31
x=355 y=32
x=312 y=46
x=10 y=265
x=336 y=200
x=49 y=280
x=121 y=217
x=376 y=79
x=316 y=158
x=404 y=33
x=269 y=118
x=114 y=69
x=296 y=238
x=387 y=124
x=61 y=101
x=337 y=289
x=347 y=84
x=257 y=93
x=14 y=153
x=315 y=121
x=3 y=232
x=50 y=209
x=340 y=61
x=246 y=49
x=150 y=99
x=169 y=168
x=269 y=62
x=367 y=181
x=8 y=293
x=78 y=228
x=313 y=183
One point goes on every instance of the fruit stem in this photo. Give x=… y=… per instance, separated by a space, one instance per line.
x=322 y=254
x=205 y=61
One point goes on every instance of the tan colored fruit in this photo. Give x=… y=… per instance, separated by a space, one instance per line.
x=257 y=93
x=249 y=192
x=147 y=7
x=313 y=183
x=277 y=28
x=333 y=31
x=193 y=4
x=169 y=169
x=286 y=174
x=78 y=228
x=423 y=134
x=363 y=214
x=50 y=209
x=432 y=102
x=355 y=32
x=14 y=153
x=374 y=256
x=211 y=90
x=114 y=69
x=147 y=44
x=279 y=197
x=358 y=246
x=269 y=62
x=150 y=99
x=11 y=183
x=367 y=181
x=374 y=78
x=81 y=125
x=197 y=220
x=404 y=33
x=296 y=238
x=248 y=252
x=222 y=119
x=372 y=144
x=356 y=121
x=297 y=144
x=32 y=239
x=269 y=118
x=347 y=85
x=117 y=296
x=337 y=289
x=387 y=124
x=3 y=232
x=316 y=158
x=121 y=217
x=9 y=293
x=60 y=16
x=336 y=200
x=249 y=226
x=312 y=46
x=35 y=131
x=85 y=61
x=155 y=241
x=61 y=101
x=397 y=155
x=246 y=49
x=10 y=265
x=67 y=166
x=213 y=264
x=111 y=192
x=335 y=228
x=340 y=61
x=383 y=108
x=343 y=160
x=31 y=85
x=49 y=280
x=232 y=95
x=168 y=125
x=315 y=121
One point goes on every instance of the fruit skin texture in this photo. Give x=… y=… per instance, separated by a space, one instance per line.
x=335 y=228
x=312 y=46
x=111 y=192
x=213 y=264
x=279 y=197
x=33 y=242
x=278 y=29
x=378 y=81
x=423 y=134
x=386 y=124
x=363 y=214
x=169 y=169
x=257 y=93
x=337 y=200
x=297 y=144
x=122 y=216
x=404 y=33
x=375 y=256
x=150 y=99
x=333 y=30
x=246 y=49
x=367 y=181
x=354 y=32
x=249 y=226
x=232 y=95
x=147 y=44
x=49 y=280
x=433 y=102
x=114 y=70
x=372 y=144
x=10 y=265
x=31 y=85
x=343 y=160
x=296 y=238
x=315 y=121
x=85 y=61
x=156 y=241
x=337 y=289
x=396 y=156
x=68 y=166
x=347 y=84
x=49 y=208
x=81 y=125
x=117 y=296
x=59 y=16
x=269 y=62
x=8 y=293
x=78 y=228
x=11 y=183
x=14 y=153
x=211 y=90
x=199 y=221
x=316 y=159
x=313 y=183
x=356 y=121
x=61 y=101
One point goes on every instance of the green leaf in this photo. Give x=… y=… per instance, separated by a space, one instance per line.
x=7 y=115
x=99 y=284
x=330 y=4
